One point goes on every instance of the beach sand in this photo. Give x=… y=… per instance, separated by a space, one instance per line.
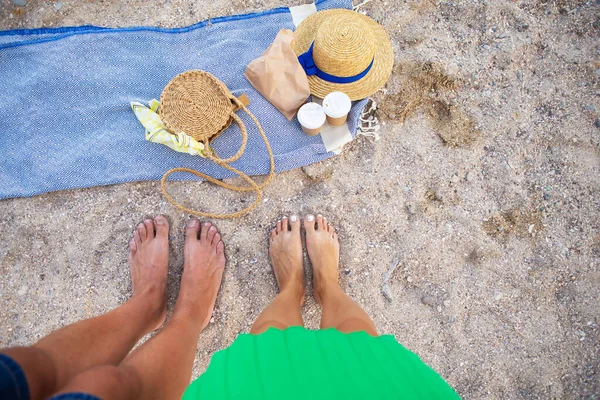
x=483 y=185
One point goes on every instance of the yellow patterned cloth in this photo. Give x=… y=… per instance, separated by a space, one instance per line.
x=157 y=132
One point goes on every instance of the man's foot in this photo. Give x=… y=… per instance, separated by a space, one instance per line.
x=323 y=250
x=149 y=263
x=285 y=249
x=204 y=261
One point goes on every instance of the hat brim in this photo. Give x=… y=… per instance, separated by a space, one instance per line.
x=376 y=77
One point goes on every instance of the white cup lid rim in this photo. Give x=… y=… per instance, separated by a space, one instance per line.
x=311 y=116
x=337 y=104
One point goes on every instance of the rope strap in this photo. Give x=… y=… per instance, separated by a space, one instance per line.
x=253 y=186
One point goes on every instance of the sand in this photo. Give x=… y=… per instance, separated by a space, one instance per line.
x=484 y=187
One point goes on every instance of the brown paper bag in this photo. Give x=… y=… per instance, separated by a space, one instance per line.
x=279 y=77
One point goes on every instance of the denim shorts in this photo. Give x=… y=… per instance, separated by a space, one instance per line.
x=13 y=384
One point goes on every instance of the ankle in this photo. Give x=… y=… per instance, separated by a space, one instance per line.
x=190 y=309
x=189 y=314
x=151 y=294
x=294 y=291
x=152 y=304
x=327 y=290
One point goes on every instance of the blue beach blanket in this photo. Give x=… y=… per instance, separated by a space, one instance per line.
x=65 y=93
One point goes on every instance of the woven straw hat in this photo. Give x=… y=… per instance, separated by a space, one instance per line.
x=197 y=103
x=348 y=47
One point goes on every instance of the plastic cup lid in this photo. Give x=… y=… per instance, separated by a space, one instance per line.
x=337 y=104
x=311 y=116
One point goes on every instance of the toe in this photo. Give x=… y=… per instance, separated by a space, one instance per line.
x=192 y=227
x=278 y=226
x=141 y=230
x=273 y=233
x=309 y=223
x=330 y=228
x=320 y=224
x=220 y=248
x=211 y=234
x=132 y=246
x=295 y=223
x=161 y=226
x=136 y=238
x=149 y=228
x=216 y=239
x=204 y=231
x=284 y=224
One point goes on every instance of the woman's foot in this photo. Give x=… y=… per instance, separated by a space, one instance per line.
x=204 y=261
x=149 y=263
x=323 y=250
x=285 y=249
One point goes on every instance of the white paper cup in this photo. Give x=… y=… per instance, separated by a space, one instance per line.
x=336 y=106
x=311 y=117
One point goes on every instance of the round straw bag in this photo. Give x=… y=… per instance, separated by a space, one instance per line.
x=197 y=103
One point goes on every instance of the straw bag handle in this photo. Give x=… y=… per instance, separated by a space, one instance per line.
x=240 y=151
x=224 y=163
x=233 y=158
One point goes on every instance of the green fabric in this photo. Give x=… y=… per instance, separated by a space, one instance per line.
x=297 y=363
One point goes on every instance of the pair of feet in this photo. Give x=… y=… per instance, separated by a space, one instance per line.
x=323 y=250
x=204 y=261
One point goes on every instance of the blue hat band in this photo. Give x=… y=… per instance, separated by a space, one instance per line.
x=309 y=66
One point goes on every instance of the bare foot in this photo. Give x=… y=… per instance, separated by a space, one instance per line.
x=323 y=250
x=149 y=263
x=204 y=261
x=286 y=255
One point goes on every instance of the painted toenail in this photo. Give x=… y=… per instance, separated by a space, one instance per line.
x=319 y=215
x=293 y=218
x=192 y=223
x=310 y=218
x=284 y=217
